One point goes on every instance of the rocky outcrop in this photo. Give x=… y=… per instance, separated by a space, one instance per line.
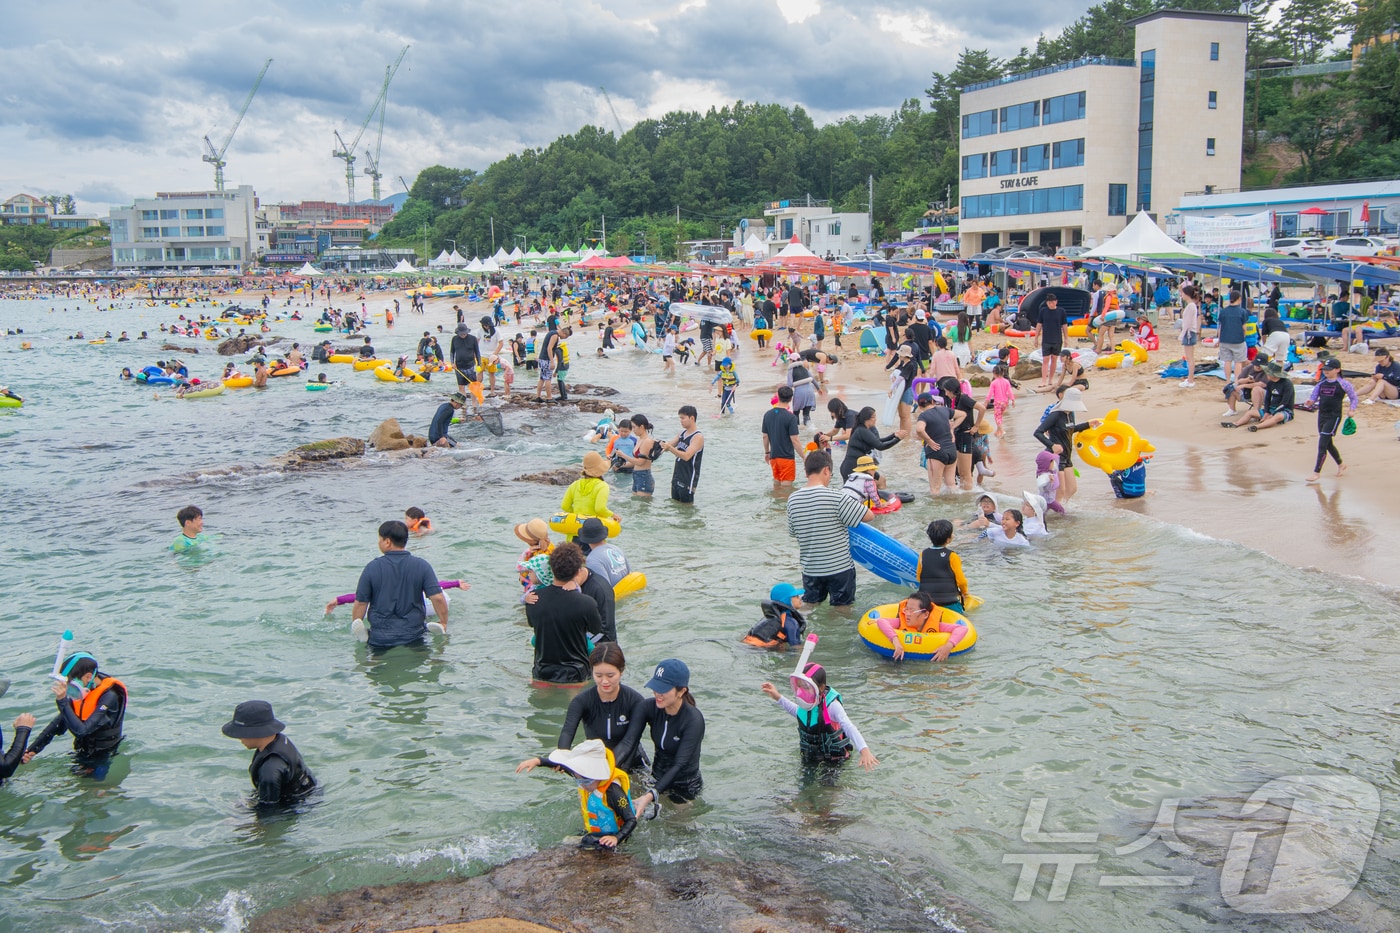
x=389 y=436
x=237 y=346
x=564 y=889
x=171 y=346
x=337 y=448
x=560 y=477
x=576 y=402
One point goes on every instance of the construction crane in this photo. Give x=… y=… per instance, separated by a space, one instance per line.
x=214 y=156
x=347 y=153
x=372 y=170
x=613 y=109
x=404 y=183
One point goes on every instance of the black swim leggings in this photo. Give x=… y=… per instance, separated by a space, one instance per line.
x=1327 y=429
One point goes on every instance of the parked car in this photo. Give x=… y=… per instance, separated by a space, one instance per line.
x=1351 y=247
x=1071 y=252
x=1301 y=247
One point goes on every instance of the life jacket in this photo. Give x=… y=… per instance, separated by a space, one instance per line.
x=856 y=487
x=819 y=738
x=728 y=378
x=598 y=817
x=563 y=354
x=936 y=577
x=107 y=739
x=770 y=632
x=1111 y=302
x=303 y=781
x=419 y=524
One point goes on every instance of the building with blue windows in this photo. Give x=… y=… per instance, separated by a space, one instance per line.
x=1067 y=155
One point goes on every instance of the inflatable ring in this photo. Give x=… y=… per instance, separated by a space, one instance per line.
x=322 y=328
x=317 y=386
x=931 y=384
x=362 y=365
x=1108 y=317
x=1078 y=330
x=569 y=523
x=340 y=358
x=634 y=582
x=1111 y=361
x=989 y=359
x=97 y=341
x=216 y=389
x=1134 y=349
x=8 y=402
x=761 y=333
x=918 y=646
x=238 y=382
x=288 y=371
x=1020 y=333
x=892 y=504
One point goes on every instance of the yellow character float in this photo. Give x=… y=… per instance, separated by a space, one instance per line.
x=1112 y=446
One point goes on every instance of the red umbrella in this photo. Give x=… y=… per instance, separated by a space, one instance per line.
x=1314 y=212
x=1365 y=212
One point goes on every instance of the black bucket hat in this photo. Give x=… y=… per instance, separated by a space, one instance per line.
x=253 y=719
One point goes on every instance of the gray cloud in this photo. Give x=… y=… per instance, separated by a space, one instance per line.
x=113 y=98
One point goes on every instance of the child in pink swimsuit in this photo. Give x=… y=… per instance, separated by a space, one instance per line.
x=1001 y=395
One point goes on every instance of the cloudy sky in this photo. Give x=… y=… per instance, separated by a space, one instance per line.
x=110 y=100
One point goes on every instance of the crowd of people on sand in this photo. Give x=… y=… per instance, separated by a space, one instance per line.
x=569 y=589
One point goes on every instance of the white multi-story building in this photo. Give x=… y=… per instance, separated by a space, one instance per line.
x=1068 y=154
x=187 y=230
x=816 y=227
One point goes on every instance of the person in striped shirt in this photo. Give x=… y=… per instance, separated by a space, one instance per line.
x=818 y=517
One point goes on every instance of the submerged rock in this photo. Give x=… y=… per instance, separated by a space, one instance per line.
x=237 y=346
x=560 y=477
x=172 y=346
x=337 y=448
x=576 y=402
x=564 y=889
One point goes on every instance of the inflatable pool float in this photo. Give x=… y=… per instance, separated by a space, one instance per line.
x=1108 y=317
x=340 y=358
x=211 y=335
x=883 y=556
x=892 y=504
x=1111 y=361
x=322 y=328
x=317 y=386
x=208 y=392
x=96 y=341
x=1112 y=446
x=924 y=384
x=1134 y=349
x=988 y=360
x=149 y=380
x=8 y=402
x=1027 y=333
x=634 y=582
x=1078 y=330
x=918 y=646
x=362 y=365
x=387 y=375
x=287 y=371
x=568 y=523
x=949 y=307
x=238 y=382
x=761 y=333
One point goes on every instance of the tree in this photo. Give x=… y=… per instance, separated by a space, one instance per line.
x=66 y=205
x=1314 y=126
x=440 y=186
x=1308 y=27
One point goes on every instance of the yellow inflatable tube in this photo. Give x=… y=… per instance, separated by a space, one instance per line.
x=568 y=523
x=761 y=333
x=238 y=382
x=918 y=646
x=362 y=365
x=340 y=358
x=1078 y=330
x=1134 y=349
x=634 y=582
x=1110 y=361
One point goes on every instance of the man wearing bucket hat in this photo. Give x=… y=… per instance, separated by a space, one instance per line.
x=602 y=556
x=442 y=420
x=1056 y=433
x=278 y=771
x=91 y=706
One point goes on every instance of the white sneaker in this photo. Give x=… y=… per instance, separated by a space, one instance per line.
x=359 y=630
x=1369 y=401
x=1229 y=413
x=437 y=628
x=1187 y=384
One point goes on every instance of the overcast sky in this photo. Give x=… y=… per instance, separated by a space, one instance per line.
x=110 y=100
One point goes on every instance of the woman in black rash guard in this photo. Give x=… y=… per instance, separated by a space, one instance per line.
x=677 y=729
x=865 y=440
x=607 y=710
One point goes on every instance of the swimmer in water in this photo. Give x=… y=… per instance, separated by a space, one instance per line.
x=191 y=521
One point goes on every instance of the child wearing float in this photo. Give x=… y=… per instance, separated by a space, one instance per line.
x=919 y=614
x=622 y=445
x=825 y=733
x=783 y=624
x=939 y=570
x=417 y=520
x=604 y=793
x=863 y=483
x=729 y=381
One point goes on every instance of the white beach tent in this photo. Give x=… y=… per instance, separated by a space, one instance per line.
x=534 y=255
x=456 y=259
x=501 y=258
x=753 y=246
x=441 y=259
x=1141 y=239
x=490 y=265
x=308 y=269
x=795 y=250
x=474 y=265
x=516 y=254
x=403 y=266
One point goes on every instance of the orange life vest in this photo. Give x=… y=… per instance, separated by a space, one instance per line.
x=85 y=707
x=419 y=524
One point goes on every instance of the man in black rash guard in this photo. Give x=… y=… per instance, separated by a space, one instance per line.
x=562 y=620
x=11 y=760
x=278 y=771
x=465 y=351
x=677 y=730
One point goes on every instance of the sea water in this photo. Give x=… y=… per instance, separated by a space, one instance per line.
x=1123 y=663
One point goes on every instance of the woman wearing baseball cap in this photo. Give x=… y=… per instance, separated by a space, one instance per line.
x=677 y=729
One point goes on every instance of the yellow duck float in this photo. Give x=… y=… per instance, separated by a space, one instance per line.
x=1112 y=446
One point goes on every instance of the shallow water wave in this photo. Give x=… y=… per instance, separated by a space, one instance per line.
x=1121 y=662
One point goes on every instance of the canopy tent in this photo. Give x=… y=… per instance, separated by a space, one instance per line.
x=489 y=264
x=533 y=255
x=403 y=266
x=605 y=262
x=474 y=265
x=516 y=254
x=551 y=255
x=500 y=257
x=308 y=269
x=1142 y=239
x=795 y=250
x=440 y=260
x=456 y=259
x=568 y=255
x=753 y=246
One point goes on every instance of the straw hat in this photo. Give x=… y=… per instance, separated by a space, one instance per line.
x=594 y=464
x=984 y=427
x=865 y=465
x=535 y=531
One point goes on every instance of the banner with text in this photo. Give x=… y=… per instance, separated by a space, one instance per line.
x=1213 y=236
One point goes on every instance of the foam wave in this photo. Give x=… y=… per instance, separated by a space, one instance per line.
x=474 y=853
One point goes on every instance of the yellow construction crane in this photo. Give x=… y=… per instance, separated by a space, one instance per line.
x=347 y=153
x=214 y=156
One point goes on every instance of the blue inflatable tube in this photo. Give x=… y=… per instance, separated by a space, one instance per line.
x=883 y=556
